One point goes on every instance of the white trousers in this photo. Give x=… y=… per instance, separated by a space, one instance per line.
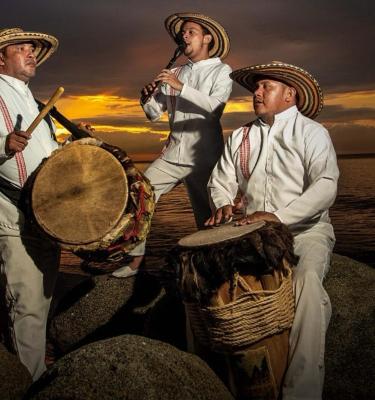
x=164 y=176
x=305 y=374
x=28 y=272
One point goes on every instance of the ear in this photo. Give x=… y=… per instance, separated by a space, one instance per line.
x=2 y=62
x=207 y=39
x=290 y=94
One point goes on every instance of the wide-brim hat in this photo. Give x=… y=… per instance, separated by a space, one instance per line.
x=310 y=96
x=45 y=44
x=220 y=37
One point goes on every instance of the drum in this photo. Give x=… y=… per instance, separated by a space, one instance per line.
x=90 y=199
x=236 y=284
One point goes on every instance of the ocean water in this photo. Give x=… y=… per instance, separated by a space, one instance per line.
x=353 y=214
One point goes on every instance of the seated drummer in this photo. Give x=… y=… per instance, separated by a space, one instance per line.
x=285 y=166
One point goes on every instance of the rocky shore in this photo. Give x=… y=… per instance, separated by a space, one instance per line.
x=124 y=339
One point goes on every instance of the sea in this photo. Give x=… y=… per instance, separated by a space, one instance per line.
x=352 y=215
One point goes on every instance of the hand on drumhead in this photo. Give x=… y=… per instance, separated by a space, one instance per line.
x=258 y=216
x=16 y=142
x=86 y=127
x=221 y=216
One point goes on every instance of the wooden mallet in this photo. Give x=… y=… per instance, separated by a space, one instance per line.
x=59 y=91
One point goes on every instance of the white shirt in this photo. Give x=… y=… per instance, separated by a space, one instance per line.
x=19 y=100
x=194 y=113
x=292 y=170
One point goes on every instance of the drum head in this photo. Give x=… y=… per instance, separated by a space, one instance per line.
x=79 y=194
x=215 y=235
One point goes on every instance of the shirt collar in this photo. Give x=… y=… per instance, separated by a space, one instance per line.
x=16 y=83
x=202 y=63
x=286 y=114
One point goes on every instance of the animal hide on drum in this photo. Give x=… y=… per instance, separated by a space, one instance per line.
x=199 y=272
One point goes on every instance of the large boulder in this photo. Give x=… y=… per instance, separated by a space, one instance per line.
x=350 y=356
x=132 y=368
x=101 y=307
x=14 y=376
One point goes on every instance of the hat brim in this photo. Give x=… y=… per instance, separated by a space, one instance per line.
x=220 y=37
x=45 y=45
x=310 y=96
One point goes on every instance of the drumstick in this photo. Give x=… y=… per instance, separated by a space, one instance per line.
x=59 y=91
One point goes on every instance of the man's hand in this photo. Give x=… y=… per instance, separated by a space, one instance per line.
x=16 y=142
x=258 y=216
x=86 y=127
x=148 y=89
x=220 y=216
x=167 y=76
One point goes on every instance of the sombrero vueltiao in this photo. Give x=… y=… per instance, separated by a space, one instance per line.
x=310 y=96
x=45 y=44
x=220 y=37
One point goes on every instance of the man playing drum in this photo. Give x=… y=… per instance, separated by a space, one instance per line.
x=28 y=264
x=285 y=166
x=194 y=96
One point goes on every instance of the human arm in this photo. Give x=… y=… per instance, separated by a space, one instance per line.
x=155 y=105
x=219 y=93
x=322 y=174
x=223 y=185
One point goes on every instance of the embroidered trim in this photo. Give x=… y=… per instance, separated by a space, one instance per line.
x=245 y=152
x=21 y=166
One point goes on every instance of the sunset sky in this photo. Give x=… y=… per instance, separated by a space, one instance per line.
x=110 y=48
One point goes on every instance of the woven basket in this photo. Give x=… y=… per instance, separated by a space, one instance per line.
x=251 y=317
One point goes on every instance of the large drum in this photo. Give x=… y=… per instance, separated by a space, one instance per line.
x=236 y=285
x=90 y=199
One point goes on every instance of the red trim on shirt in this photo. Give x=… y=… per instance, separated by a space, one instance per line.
x=245 y=152
x=21 y=166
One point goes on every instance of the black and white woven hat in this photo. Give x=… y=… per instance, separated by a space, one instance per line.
x=220 y=37
x=310 y=96
x=45 y=45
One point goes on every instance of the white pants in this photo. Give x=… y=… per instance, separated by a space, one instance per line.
x=28 y=272
x=305 y=374
x=164 y=176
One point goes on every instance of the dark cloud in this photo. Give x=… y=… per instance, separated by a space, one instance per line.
x=121 y=44
x=342 y=114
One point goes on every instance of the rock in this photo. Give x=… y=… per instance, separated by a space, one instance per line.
x=101 y=307
x=132 y=368
x=14 y=376
x=350 y=358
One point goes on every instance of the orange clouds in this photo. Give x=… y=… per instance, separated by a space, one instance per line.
x=125 y=115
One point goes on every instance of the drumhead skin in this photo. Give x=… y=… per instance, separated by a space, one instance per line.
x=215 y=235
x=79 y=194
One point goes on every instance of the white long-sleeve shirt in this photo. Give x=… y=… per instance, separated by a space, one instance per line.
x=194 y=113
x=289 y=169
x=17 y=104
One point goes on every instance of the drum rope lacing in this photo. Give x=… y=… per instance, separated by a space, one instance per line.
x=251 y=317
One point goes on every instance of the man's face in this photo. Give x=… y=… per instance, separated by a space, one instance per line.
x=196 y=41
x=271 y=97
x=18 y=60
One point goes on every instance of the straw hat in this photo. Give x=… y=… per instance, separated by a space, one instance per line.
x=310 y=96
x=45 y=44
x=220 y=37
x=223 y=233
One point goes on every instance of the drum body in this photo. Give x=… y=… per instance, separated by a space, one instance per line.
x=90 y=199
x=240 y=307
